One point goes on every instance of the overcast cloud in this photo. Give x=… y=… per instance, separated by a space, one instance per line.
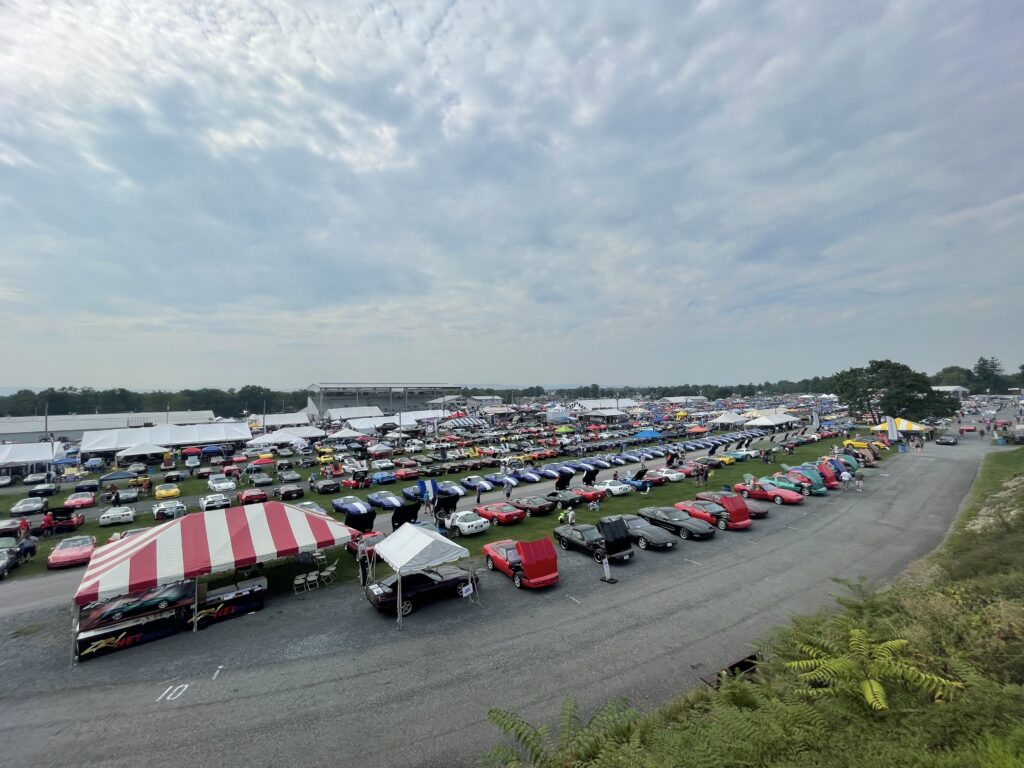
x=506 y=193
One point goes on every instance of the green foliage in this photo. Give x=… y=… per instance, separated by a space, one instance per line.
x=892 y=389
x=989 y=376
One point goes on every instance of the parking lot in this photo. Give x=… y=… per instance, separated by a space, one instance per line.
x=325 y=670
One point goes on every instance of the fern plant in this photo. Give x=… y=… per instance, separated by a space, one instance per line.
x=862 y=667
x=576 y=743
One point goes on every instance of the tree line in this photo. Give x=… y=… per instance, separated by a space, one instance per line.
x=906 y=392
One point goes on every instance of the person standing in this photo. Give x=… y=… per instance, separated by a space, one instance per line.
x=858 y=478
x=364 y=562
x=508 y=489
x=479 y=490
x=846 y=477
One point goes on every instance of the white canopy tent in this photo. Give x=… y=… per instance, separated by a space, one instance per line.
x=773 y=420
x=143 y=449
x=728 y=418
x=345 y=434
x=106 y=440
x=414 y=548
x=21 y=454
x=271 y=438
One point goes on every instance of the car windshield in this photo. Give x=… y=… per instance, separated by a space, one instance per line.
x=635 y=523
x=472 y=517
x=710 y=506
x=77 y=541
x=768 y=486
x=8 y=542
x=165 y=487
x=591 y=534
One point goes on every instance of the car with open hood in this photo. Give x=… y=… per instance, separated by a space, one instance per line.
x=715 y=514
x=530 y=564
x=591 y=540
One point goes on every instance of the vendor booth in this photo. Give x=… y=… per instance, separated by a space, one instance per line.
x=146 y=586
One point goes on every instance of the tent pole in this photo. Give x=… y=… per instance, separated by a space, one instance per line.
x=74 y=633
x=195 y=607
x=399 y=573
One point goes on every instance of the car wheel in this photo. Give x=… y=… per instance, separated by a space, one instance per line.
x=642 y=543
x=456 y=531
x=599 y=555
x=805 y=490
x=559 y=505
x=406 y=608
x=162 y=604
x=517 y=580
x=683 y=533
x=722 y=525
x=746 y=494
x=563 y=544
x=494 y=522
x=489 y=563
x=529 y=513
x=777 y=499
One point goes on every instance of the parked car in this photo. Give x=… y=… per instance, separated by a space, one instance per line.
x=406 y=473
x=449 y=488
x=44 y=489
x=289 y=491
x=16 y=546
x=59 y=521
x=91 y=486
x=418 y=588
x=80 y=500
x=214 y=501
x=530 y=564
x=589 y=493
x=761 y=489
x=220 y=483
x=474 y=482
x=615 y=487
x=384 y=500
x=564 y=499
x=118 y=535
x=33 y=505
x=166 y=491
x=678 y=522
x=169 y=510
x=587 y=538
x=534 y=505
x=251 y=496
x=289 y=476
x=647 y=536
x=734 y=503
x=326 y=485
x=350 y=505
x=117 y=516
x=383 y=477
x=715 y=514
x=73 y=551
x=500 y=513
x=464 y=523
x=370 y=539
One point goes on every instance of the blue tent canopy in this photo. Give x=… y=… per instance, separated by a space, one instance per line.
x=648 y=434
x=118 y=475
x=212 y=449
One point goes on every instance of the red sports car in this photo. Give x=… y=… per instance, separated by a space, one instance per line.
x=80 y=500
x=589 y=493
x=501 y=513
x=531 y=564
x=406 y=473
x=756 y=489
x=717 y=515
x=371 y=538
x=361 y=481
x=74 y=551
x=251 y=496
x=734 y=503
x=404 y=462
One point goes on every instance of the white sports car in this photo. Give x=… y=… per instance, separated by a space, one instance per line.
x=672 y=475
x=615 y=487
x=117 y=515
x=467 y=523
x=214 y=501
x=220 y=484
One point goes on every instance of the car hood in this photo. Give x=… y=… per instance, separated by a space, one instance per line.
x=653 y=533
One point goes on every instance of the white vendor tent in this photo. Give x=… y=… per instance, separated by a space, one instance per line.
x=414 y=548
x=773 y=420
x=20 y=454
x=728 y=418
x=108 y=440
x=345 y=434
x=143 y=449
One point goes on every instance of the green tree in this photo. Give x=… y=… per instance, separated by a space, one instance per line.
x=990 y=376
x=954 y=376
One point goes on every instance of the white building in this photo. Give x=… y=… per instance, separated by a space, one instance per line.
x=958 y=393
x=618 y=403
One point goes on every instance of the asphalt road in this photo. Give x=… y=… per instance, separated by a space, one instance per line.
x=322 y=680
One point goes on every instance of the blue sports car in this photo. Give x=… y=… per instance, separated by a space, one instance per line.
x=499 y=479
x=548 y=471
x=526 y=475
x=558 y=469
x=475 y=481
x=383 y=478
x=350 y=505
x=384 y=500
x=412 y=492
x=448 y=488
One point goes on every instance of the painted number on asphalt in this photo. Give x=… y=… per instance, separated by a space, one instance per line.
x=173 y=692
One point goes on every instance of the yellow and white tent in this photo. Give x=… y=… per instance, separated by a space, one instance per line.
x=902 y=425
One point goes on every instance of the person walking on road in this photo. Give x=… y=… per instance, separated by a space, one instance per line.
x=859 y=480
x=479 y=490
x=508 y=489
x=846 y=477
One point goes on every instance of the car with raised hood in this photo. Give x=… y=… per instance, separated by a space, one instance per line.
x=793 y=481
x=733 y=502
x=751 y=488
x=370 y=539
x=76 y=550
x=500 y=513
x=648 y=536
x=678 y=522
x=214 y=501
x=715 y=514
x=591 y=540
x=530 y=564
x=117 y=516
x=418 y=588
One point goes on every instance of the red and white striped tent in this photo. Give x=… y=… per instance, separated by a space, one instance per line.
x=206 y=542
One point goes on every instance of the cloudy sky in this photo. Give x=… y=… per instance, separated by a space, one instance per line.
x=506 y=192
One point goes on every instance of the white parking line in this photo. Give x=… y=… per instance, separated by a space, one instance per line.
x=748 y=541
x=691 y=561
x=574 y=600
x=794 y=529
x=218 y=671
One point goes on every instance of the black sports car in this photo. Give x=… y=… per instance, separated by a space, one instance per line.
x=289 y=476
x=589 y=539
x=307 y=461
x=564 y=499
x=677 y=521
x=418 y=588
x=534 y=505
x=15 y=547
x=87 y=486
x=327 y=485
x=44 y=489
x=290 y=491
x=647 y=536
x=947 y=440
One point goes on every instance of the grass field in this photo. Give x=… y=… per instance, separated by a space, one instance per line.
x=532 y=527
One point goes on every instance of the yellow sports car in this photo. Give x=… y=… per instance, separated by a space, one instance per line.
x=325 y=450
x=325 y=458
x=859 y=442
x=166 y=491
x=725 y=459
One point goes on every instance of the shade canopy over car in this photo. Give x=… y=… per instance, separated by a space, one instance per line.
x=206 y=542
x=143 y=449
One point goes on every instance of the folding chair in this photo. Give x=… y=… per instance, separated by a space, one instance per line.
x=319 y=559
x=327 y=575
x=312 y=580
x=299 y=583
